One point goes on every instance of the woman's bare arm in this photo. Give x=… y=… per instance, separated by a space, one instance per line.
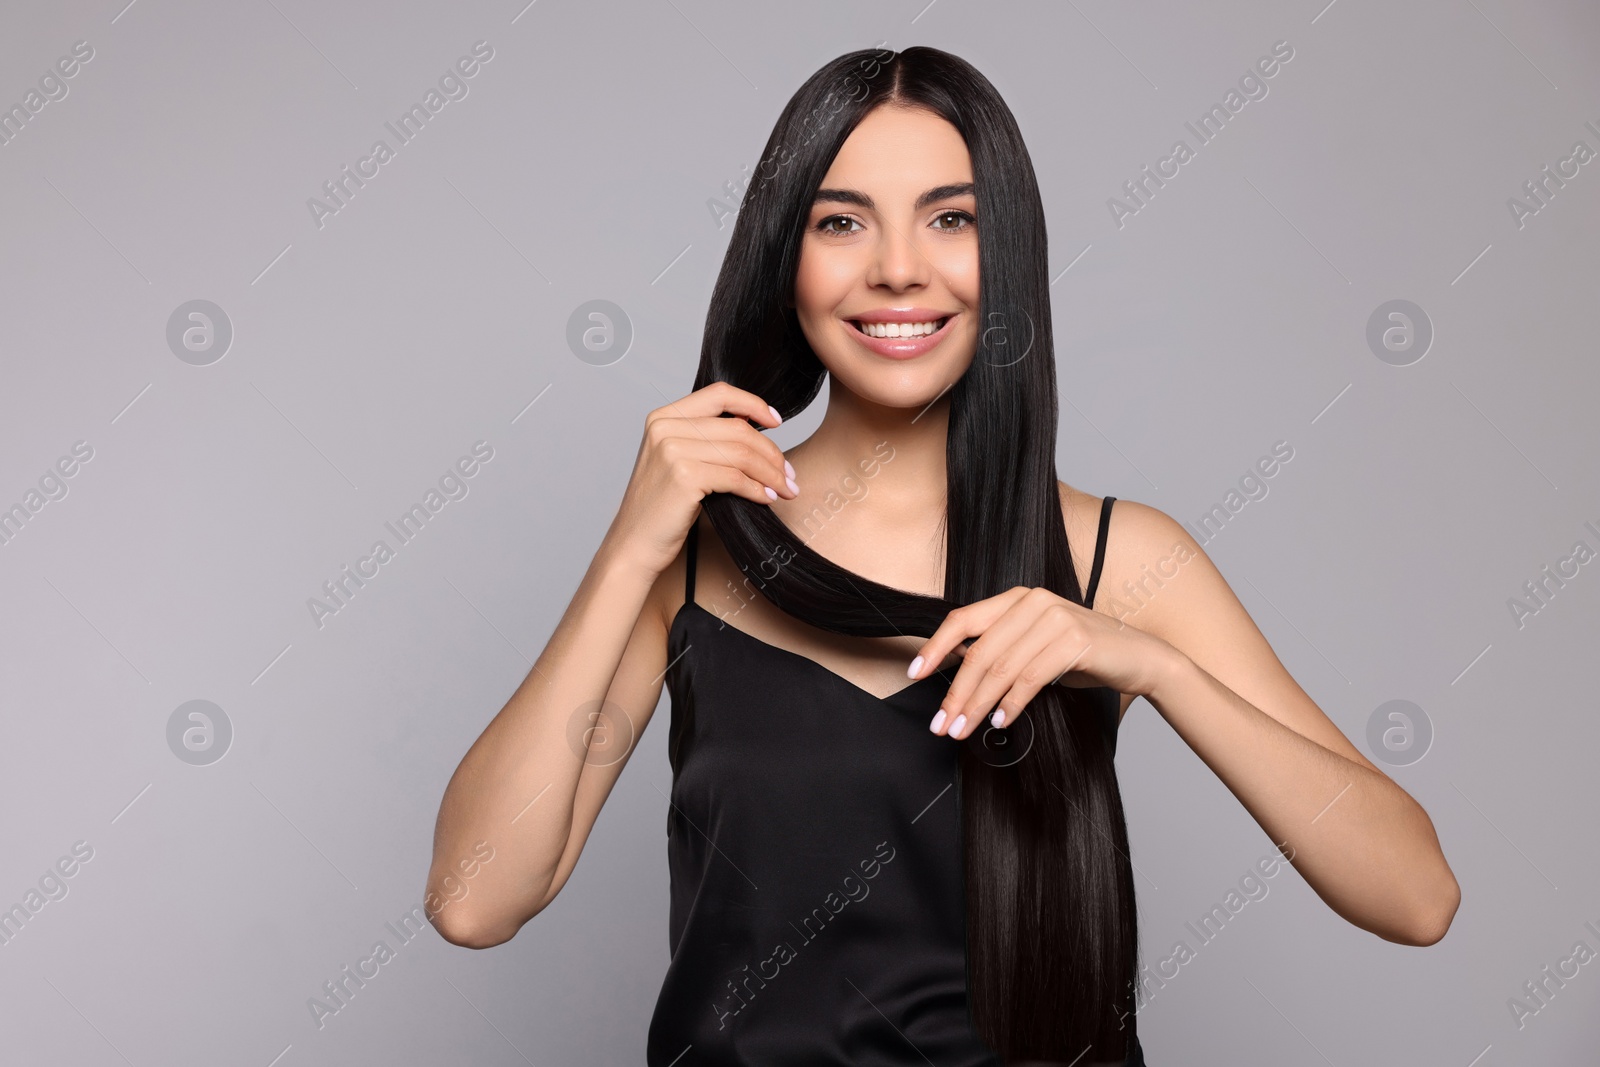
x=527 y=783
x=531 y=786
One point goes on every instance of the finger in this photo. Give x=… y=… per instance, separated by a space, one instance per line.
x=943 y=720
x=721 y=398
x=1004 y=657
x=780 y=470
x=734 y=482
x=1011 y=705
x=737 y=444
x=731 y=466
x=769 y=466
x=971 y=621
x=959 y=625
x=1013 y=679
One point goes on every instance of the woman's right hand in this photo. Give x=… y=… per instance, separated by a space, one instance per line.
x=690 y=450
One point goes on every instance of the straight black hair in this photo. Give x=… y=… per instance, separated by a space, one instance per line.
x=1051 y=929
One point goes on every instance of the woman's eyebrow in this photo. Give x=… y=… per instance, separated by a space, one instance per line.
x=862 y=200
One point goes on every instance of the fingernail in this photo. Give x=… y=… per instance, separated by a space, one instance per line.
x=778 y=418
x=788 y=468
x=998 y=718
x=955 y=727
x=795 y=489
x=772 y=494
x=916 y=665
x=938 y=721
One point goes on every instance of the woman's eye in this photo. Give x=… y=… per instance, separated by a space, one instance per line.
x=961 y=216
x=828 y=225
x=842 y=225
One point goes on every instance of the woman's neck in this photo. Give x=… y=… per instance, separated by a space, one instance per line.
x=872 y=485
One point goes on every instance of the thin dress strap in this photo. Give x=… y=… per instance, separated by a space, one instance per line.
x=688 y=584
x=1099 y=551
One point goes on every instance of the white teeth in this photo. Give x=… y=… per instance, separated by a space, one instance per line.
x=899 y=329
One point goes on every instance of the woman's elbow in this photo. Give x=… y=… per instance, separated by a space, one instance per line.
x=477 y=921
x=460 y=926
x=1435 y=912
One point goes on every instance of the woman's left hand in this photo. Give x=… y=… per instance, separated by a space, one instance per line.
x=1028 y=638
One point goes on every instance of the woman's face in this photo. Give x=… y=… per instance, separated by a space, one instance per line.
x=891 y=248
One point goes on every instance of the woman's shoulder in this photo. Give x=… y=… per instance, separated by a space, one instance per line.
x=1137 y=535
x=1129 y=518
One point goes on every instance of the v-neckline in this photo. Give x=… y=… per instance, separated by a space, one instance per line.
x=688 y=604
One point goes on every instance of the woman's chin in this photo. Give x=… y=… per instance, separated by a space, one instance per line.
x=910 y=388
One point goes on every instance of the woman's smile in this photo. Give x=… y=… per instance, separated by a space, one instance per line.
x=901 y=333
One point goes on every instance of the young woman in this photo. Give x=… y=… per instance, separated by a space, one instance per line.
x=873 y=862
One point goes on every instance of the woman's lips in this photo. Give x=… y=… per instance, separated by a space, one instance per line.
x=901 y=347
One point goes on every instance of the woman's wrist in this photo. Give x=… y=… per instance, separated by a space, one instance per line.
x=1174 y=671
x=621 y=565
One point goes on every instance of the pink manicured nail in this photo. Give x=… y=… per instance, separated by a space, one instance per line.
x=998 y=718
x=776 y=417
x=916 y=665
x=772 y=494
x=955 y=727
x=938 y=721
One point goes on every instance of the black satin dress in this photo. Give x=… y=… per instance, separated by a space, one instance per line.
x=814 y=847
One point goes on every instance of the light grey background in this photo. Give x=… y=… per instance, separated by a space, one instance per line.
x=431 y=312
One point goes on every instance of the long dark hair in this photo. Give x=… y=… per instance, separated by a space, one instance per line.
x=1051 y=929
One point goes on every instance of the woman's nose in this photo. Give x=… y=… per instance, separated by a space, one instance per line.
x=897 y=262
